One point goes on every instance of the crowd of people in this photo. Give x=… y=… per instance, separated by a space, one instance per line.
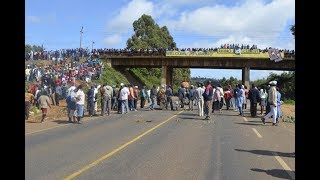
x=124 y=98
x=86 y=53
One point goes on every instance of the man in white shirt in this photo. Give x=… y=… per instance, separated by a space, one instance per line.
x=124 y=93
x=80 y=98
x=95 y=95
x=199 y=97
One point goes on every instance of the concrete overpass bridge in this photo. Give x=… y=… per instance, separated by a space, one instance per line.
x=167 y=63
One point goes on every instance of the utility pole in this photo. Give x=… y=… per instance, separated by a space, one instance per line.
x=81 y=36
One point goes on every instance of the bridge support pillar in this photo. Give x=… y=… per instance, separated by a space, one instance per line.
x=166 y=75
x=246 y=76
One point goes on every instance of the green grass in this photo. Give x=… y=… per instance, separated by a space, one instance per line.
x=113 y=77
x=289 y=101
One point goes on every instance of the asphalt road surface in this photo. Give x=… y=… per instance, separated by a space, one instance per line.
x=163 y=144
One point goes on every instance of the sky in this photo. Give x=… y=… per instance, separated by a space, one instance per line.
x=192 y=23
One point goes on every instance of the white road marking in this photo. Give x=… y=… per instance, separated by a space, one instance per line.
x=245 y=119
x=284 y=165
x=46 y=129
x=258 y=134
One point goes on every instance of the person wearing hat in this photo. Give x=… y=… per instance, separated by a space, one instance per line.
x=136 y=94
x=272 y=99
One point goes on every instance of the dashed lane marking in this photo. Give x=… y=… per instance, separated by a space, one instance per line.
x=73 y=175
x=257 y=133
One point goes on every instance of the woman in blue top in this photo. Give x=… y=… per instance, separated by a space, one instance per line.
x=278 y=104
x=239 y=98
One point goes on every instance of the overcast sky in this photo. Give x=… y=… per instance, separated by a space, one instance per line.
x=192 y=23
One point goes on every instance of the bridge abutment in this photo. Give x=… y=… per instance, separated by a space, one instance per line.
x=166 y=75
x=246 y=76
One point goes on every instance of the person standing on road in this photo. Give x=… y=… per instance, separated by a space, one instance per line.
x=227 y=97
x=143 y=96
x=58 y=94
x=239 y=98
x=106 y=99
x=207 y=97
x=135 y=99
x=29 y=98
x=169 y=95
x=191 y=97
x=182 y=94
x=123 y=96
x=71 y=105
x=153 y=96
x=114 y=100
x=278 y=104
x=162 y=97
x=254 y=97
x=263 y=96
x=272 y=99
x=90 y=101
x=80 y=100
x=131 y=98
x=44 y=104
x=96 y=91
x=199 y=92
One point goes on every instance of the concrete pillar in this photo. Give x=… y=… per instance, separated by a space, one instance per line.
x=169 y=80
x=246 y=76
x=166 y=75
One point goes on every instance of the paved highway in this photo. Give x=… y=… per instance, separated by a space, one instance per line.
x=163 y=144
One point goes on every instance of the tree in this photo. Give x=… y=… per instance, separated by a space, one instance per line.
x=28 y=48
x=148 y=35
x=293 y=30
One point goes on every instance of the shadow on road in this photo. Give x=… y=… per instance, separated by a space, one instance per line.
x=279 y=173
x=61 y=121
x=268 y=153
x=251 y=124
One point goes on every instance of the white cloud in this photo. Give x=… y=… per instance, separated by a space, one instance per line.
x=33 y=19
x=112 y=40
x=253 y=21
x=128 y=14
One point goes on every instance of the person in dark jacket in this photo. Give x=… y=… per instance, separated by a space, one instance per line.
x=207 y=97
x=90 y=99
x=254 y=97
